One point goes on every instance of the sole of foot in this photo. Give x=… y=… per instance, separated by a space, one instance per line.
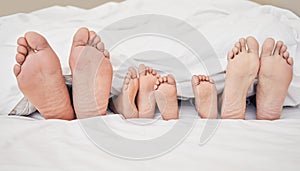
x=145 y=98
x=166 y=97
x=125 y=103
x=40 y=79
x=205 y=93
x=274 y=78
x=241 y=71
x=92 y=74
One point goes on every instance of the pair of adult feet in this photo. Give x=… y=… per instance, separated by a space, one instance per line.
x=274 y=70
x=39 y=76
x=141 y=92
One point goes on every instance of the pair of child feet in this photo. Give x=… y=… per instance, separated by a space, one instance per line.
x=39 y=77
x=141 y=92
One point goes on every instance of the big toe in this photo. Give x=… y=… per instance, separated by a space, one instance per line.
x=170 y=79
x=142 y=69
x=132 y=72
x=252 y=45
x=36 y=41
x=81 y=37
x=267 y=48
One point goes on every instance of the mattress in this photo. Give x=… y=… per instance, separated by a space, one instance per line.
x=112 y=143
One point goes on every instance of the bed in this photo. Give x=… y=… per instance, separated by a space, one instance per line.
x=190 y=143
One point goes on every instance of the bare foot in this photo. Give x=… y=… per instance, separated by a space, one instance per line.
x=242 y=68
x=125 y=102
x=92 y=74
x=145 y=97
x=166 y=97
x=39 y=77
x=274 y=78
x=205 y=93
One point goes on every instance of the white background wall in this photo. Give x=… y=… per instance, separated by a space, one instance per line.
x=14 y=6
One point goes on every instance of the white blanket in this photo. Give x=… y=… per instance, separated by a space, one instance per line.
x=221 y=22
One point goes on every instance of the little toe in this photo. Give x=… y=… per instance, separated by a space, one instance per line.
x=252 y=45
x=243 y=44
x=278 y=47
x=22 y=50
x=267 y=47
x=17 y=69
x=20 y=58
x=106 y=54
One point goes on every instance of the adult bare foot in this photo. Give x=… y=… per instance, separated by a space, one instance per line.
x=166 y=97
x=40 y=79
x=145 y=97
x=125 y=102
x=205 y=93
x=92 y=74
x=274 y=78
x=242 y=68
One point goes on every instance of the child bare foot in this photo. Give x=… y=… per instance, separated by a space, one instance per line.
x=205 y=93
x=40 y=79
x=166 y=97
x=125 y=102
x=274 y=78
x=145 y=97
x=92 y=74
x=242 y=68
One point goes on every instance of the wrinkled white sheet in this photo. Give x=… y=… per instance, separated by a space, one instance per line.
x=236 y=145
x=221 y=22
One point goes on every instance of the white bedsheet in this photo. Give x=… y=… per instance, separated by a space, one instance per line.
x=236 y=145
x=221 y=22
x=31 y=144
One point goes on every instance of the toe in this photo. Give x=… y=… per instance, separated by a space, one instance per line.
x=22 y=50
x=171 y=79
x=95 y=41
x=286 y=55
x=132 y=72
x=278 y=47
x=22 y=42
x=81 y=37
x=17 y=70
x=235 y=51
x=100 y=46
x=252 y=45
x=165 y=79
x=92 y=37
x=290 y=61
x=230 y=55
x=20 y=58
x=160 y=79
x=142 y=69
x=238 y=46
x=267 y=47
x=243 y=44
x=36 y=41
x=195 y=80
x=283 y=50
x=106 y=54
